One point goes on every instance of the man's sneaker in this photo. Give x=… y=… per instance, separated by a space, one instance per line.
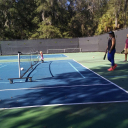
x=110 y=69
x=115 y=66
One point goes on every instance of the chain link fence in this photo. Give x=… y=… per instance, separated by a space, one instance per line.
x=27 y=46
x=87 y=44
x=99 y=43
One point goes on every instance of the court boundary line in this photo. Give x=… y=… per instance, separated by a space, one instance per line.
x=77 y=70
x=63 y=55
x=45 y=87
x=58 y=60
x=68 y=104
x=66 y=55
x=3 y=66
x=102 y=77
x=59 y=55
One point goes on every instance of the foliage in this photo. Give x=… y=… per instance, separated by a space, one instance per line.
x=47 y=31
x=25 y=19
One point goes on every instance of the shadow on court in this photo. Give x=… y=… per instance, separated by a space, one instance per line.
x=71 y=84
x=81 y=116
x=63 y=89
x=118 y=76
x=75 y=116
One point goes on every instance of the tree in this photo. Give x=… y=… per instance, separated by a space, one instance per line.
x=125 y=10
x=25 y=19
x=47 y=31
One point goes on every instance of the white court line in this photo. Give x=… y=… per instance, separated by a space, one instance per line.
x=76 y=70
x=102 y=77
x=53 y=105
x=3 y=66
x=65 y=55
x=58 y=60
x=54 y=87
x=9 y=83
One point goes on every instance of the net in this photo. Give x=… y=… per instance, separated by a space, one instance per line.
x=71 y=50
x=26 y=62
x=55 y=51
x=66 y=50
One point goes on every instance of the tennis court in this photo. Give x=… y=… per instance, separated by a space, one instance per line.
x=63 y=80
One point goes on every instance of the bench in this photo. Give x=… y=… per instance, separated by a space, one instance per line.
x=11 y=79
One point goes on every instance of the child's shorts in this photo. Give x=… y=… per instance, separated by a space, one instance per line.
x=126 y=51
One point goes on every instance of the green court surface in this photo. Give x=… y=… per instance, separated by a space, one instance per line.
x=109 y=115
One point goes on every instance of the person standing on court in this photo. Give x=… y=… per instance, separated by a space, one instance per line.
x=126 y=49
x=111 y=50
x=42 y=57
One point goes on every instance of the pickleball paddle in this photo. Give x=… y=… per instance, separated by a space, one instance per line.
x=104 y=56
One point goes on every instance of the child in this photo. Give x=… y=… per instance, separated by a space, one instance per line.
x=42 y=58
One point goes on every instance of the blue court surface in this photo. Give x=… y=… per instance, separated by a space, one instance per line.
x=58 y=82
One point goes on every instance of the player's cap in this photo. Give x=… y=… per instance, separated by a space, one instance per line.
x=111 y=32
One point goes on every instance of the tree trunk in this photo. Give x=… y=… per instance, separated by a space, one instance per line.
x=125 y=10
x=116 y=19
x=43 y=17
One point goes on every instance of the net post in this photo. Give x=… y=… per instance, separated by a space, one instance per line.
x=19 y=64
x=31 y=61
